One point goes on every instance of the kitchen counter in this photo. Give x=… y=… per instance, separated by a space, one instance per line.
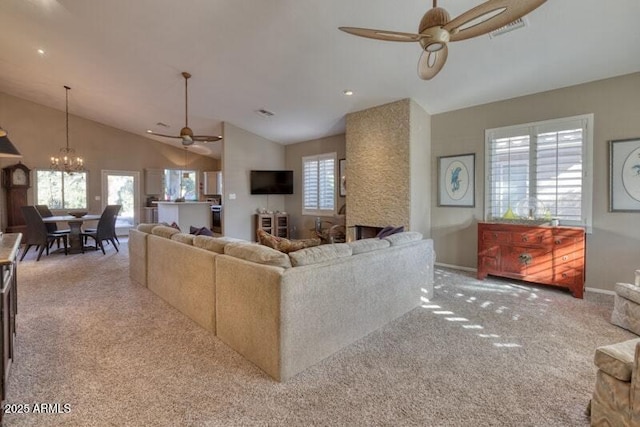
x=185 y=214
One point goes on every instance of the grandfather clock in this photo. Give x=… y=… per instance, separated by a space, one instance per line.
x=17 y=181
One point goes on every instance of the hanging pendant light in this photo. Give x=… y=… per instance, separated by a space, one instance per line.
x=7 y=149
x=67 y=160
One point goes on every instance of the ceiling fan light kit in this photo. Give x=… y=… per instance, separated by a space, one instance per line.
x=436 y=29
x=186 y=134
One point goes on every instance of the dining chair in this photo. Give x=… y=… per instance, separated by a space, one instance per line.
x=37 y=234
x=106 y=228
x=52 y=227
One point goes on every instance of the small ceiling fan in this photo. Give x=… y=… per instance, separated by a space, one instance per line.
x=437 y=29
x=186 y=134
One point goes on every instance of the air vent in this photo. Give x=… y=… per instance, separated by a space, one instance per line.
x=515 y=25
x=265 y=113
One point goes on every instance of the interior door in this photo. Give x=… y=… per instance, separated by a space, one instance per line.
x=122 y=188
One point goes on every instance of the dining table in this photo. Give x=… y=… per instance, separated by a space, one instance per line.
x=75 y=228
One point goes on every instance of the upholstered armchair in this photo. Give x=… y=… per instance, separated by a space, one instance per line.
x=616 y=398
x=626 y=306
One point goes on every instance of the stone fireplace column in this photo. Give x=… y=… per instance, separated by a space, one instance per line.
x=388 y=153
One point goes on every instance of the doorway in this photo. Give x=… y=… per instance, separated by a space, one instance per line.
x=122 y=188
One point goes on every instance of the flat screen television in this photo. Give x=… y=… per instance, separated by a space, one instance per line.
x=271 y=182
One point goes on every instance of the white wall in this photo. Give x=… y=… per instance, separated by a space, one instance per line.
x=243 y=151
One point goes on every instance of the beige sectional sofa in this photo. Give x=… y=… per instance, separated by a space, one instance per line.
x=284 y=312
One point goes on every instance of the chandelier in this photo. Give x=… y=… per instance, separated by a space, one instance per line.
x=67 y=160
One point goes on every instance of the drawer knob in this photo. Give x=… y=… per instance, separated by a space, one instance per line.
x=564 y=258
x=558 y=241
x=565 y=275
x=525 y=239
x=525 y=259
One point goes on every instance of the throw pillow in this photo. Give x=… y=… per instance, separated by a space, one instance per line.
x=204 y=231
x=284 y=245
x=389 y=230
x=193 y=230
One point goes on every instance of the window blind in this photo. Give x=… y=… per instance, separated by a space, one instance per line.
x=544 y=160
x=319 y=184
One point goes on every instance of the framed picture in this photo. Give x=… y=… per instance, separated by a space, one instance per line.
x=343 y=178
x=456 y=180
x=624 y=175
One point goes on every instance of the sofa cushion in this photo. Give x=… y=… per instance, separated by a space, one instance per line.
x=214 y=244
x=617 y=359
x=183 y=238
x=628 y=291
x=164 y=231
x=257 y=253
x=320 y=254
x=284 y=245
x=367 y=245
x=403 y=238
x=146 y=228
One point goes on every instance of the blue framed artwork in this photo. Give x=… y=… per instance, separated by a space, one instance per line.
x=624 y=175
x=456 y=180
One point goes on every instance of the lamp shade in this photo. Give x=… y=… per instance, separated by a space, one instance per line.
x=7 y=149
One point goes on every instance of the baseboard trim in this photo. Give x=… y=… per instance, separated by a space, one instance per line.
x=459 y=267
x=600 y=291
x=455 y=267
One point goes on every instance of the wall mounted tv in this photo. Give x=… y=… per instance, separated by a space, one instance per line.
x=271 y=182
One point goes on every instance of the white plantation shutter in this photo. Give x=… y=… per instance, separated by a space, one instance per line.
x=318 y=182
x=550 y=161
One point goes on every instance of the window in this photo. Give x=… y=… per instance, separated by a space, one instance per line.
x=549 y=161
x=319 y=184
x=180 y=183
x=61 y=190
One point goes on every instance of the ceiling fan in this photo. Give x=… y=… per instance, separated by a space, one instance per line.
x=186 y=134
x=437 y=29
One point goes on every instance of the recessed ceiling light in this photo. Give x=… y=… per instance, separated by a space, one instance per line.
x=347 y=92
x=41 y=51
x=149 y=131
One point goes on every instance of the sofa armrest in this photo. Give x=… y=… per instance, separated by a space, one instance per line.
x=637 y=277
x=634 y=398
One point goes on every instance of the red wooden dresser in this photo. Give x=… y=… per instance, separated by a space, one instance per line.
x=540 y=254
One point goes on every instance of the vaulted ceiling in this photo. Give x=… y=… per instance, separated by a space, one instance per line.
x=123 y=60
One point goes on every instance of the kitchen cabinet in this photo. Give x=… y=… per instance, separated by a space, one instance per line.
x=212 y=183
x=185 y=214
x=540 y=254
x=154 y=181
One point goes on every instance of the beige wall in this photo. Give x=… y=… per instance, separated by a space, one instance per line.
x=39 y=132
x=302 y=226
x=243 y=151
x=614 y=246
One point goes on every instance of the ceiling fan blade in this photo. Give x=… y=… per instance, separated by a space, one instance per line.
x=431 y=63
x=166 y=136
x=206 y=138
x=392 y=36
x=489 y=16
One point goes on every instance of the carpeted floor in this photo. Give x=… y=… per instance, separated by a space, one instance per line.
x=491 y=353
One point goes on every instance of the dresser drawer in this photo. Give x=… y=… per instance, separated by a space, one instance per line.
x=496 y=236
x=532 y=237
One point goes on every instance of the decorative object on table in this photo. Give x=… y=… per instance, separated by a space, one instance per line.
x=437 y=29
x=342 y=170
x=624 y=175
x=530 y=208
x=186 y=134
x=78 y=214
x=456 y=180
x=67 y=160
x=17 y=180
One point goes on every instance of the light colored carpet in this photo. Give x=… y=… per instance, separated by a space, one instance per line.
x=491 y=353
